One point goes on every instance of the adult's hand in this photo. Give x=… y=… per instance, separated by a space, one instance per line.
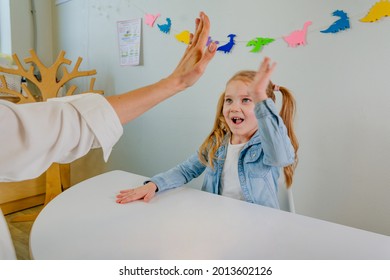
x=190 y=68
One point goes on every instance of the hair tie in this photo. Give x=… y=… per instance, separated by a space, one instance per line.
x=276 y=88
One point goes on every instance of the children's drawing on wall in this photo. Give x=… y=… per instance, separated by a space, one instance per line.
x=129 y=39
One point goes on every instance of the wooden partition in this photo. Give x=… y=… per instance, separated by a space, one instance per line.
x=17 y=196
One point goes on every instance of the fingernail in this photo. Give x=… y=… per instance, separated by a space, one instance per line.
x=212 y=47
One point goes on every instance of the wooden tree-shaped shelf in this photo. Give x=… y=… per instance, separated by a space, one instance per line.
x=49 y=81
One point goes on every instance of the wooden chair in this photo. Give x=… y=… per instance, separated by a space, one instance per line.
x=48 y=82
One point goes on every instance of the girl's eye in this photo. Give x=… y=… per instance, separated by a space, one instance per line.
x=246 y=100
x=228 y=100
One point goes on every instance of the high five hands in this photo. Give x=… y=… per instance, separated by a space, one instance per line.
x=196 y=57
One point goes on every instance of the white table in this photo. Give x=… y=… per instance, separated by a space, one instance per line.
x=85 y=222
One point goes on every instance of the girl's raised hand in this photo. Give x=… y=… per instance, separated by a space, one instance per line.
x=145 y=192
x=258 y=88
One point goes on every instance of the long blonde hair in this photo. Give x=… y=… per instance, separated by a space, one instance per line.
x=208 y=149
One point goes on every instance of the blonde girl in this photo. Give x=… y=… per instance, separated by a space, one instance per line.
x=248 y=146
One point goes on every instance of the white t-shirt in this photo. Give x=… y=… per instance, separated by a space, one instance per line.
x=34 y=135
x=230 y=182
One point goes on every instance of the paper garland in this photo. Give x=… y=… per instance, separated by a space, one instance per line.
x=183 y=37
x=209 y=41
x=150 y=19
x=340 y=24
x=165 y=27
x=258 y=43
x=379 y=10
x=295 y=38
x=227 y=48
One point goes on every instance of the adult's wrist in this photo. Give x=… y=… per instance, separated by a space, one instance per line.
x=176 y=83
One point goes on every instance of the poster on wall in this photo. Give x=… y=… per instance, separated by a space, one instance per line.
x=129 y=39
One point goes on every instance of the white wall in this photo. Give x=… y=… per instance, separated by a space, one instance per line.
x=17 y=28
x=340 y=81
x=5 y=27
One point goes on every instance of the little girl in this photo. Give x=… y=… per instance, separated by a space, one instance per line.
x=246 y=148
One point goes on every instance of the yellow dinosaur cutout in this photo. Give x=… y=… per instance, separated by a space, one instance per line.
x=379 y=10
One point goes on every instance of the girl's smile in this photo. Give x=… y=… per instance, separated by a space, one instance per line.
x=237 y=120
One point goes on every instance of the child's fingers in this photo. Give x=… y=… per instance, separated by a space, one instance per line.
x=266 y=68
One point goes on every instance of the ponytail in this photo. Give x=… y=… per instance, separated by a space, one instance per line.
x=287 y=113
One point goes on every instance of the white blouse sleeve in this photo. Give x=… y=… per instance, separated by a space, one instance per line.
x=35 y=135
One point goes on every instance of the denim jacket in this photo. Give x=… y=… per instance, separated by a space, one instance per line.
x=259 y=163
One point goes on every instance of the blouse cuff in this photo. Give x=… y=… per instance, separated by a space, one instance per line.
x=99 y=116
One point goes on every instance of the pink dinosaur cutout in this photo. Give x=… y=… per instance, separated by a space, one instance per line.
x=297 y=37
x=150 y=19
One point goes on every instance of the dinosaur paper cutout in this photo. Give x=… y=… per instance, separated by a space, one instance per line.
x=183 y=37
x=340 y=24
x=165 y=27
x=258 y=43
x=227 y=48
x=379 y=10
x=297 y=37
x=150 y=19
x=209 y=41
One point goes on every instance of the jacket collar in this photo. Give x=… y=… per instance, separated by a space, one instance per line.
x=254 y=140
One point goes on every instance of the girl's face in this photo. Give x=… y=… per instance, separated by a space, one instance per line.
x=238 y=110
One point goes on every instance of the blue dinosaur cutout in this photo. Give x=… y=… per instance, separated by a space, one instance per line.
x=340 y=24
x=165 y=27
x=227 y=48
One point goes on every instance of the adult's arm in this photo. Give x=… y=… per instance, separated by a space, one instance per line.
x=35 y=135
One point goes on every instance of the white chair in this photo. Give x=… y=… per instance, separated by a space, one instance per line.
x=286 y=199
x=7 y=249
x=290 y=199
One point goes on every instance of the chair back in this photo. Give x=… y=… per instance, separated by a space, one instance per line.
x=285 y=195
x=291 y=202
